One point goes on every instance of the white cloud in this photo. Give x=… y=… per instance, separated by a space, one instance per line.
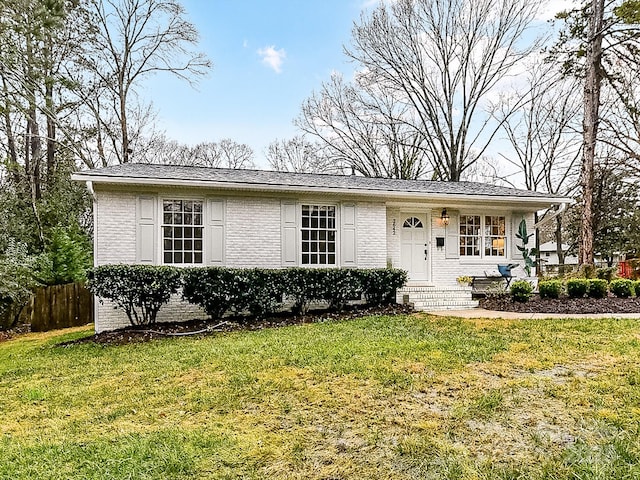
x=273 y=58
x=552 y=7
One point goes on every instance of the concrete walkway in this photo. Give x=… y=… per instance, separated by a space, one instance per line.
x=482 y=313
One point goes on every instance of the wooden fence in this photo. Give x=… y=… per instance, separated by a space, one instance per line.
x=60 y=306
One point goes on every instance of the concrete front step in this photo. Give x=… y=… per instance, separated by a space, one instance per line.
x=431 y=297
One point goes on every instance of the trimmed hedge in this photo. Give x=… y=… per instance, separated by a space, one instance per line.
x=140 y=290
x=550 y=288
x=220 y=290
x=597 y=288
x=577 y=287
x=379 y=285
x=623 y=288
x=521 y=291
x=636 y=287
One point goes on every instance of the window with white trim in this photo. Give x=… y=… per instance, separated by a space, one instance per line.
x=483 y=236
x=182 y=231
x=318 y=235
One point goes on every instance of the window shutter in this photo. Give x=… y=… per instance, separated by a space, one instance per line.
x=348 y=236
x=146 y=233
x=452 y=245
x=216 y=231
x=289 y=237
x=516 y=218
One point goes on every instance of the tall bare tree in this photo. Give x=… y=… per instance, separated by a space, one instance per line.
x=544 y=135
x=132 y=40
x=427 y=68
x=224 y=154
x=301 y=156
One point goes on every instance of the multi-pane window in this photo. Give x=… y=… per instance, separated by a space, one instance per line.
x=470 y=235
x=182 y=229
x=318 y=235
x=482 y=235
x=494 y=236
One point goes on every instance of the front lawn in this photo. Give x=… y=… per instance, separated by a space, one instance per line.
x=387 y=397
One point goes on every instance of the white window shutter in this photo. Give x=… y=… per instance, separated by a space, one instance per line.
x=348 y=244
x=146 y=231
x=452 y=237
x=215 y=240
x=289 y=237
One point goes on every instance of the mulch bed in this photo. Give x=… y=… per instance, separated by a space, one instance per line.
x=564 y=305
x=208 y=327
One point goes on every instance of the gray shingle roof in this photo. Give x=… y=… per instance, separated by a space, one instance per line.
x=146 y=173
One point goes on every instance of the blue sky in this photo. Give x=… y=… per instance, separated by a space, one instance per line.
x=268 y=55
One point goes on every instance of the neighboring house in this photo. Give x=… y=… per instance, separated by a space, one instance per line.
x=437 y=231
x=549 y=254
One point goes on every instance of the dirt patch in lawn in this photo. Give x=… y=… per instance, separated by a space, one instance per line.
x=207 y=327
x=564 y=305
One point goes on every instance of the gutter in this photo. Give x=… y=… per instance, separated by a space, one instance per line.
x=546 y=219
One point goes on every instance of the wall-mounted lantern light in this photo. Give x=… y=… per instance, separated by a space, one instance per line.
x=444 y=217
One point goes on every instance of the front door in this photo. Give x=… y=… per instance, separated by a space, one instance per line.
x=414 y=250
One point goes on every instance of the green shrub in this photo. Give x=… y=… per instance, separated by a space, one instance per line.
x=597 y=288
x=521 y=291
x=606 y=273
x=636 y=287
x=379 y=285
x=215 y=289
x=550 y=288
x=622 y=288
x=140 y=290
x=340 y=285
x=261 y=291
x=577 y=287
x=303 y=286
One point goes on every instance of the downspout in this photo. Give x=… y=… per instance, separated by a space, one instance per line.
x=548 y=218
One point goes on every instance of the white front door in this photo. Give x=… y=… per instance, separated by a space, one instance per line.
x=414 y=250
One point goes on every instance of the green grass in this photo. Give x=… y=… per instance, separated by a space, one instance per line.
x=379 y=397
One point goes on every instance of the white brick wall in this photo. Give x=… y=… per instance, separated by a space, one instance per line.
x=115 y=228
x=371 y=237
x=253 y=233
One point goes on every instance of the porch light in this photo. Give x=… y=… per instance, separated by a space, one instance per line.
x=444 y=217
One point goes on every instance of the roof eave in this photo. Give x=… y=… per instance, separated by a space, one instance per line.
x=541 y=202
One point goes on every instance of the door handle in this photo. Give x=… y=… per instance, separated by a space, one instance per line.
x=426 y=253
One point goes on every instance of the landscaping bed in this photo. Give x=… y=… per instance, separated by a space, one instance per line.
x=146 y=333
x=563 y=304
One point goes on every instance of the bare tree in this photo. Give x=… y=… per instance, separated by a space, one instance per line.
x=545 y=136
x=134 y=39
x=301 y=156
x=224 y=154
x=362 y=127
x=427 y=68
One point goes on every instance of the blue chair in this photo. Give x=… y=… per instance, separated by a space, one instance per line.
x=505 y=271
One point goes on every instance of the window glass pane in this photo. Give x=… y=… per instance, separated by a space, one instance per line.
x=318 y=234
x=182 y=244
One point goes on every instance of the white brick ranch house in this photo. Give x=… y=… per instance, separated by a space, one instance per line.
x=175 y=215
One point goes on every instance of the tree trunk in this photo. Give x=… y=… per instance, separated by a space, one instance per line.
x=593 y=80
